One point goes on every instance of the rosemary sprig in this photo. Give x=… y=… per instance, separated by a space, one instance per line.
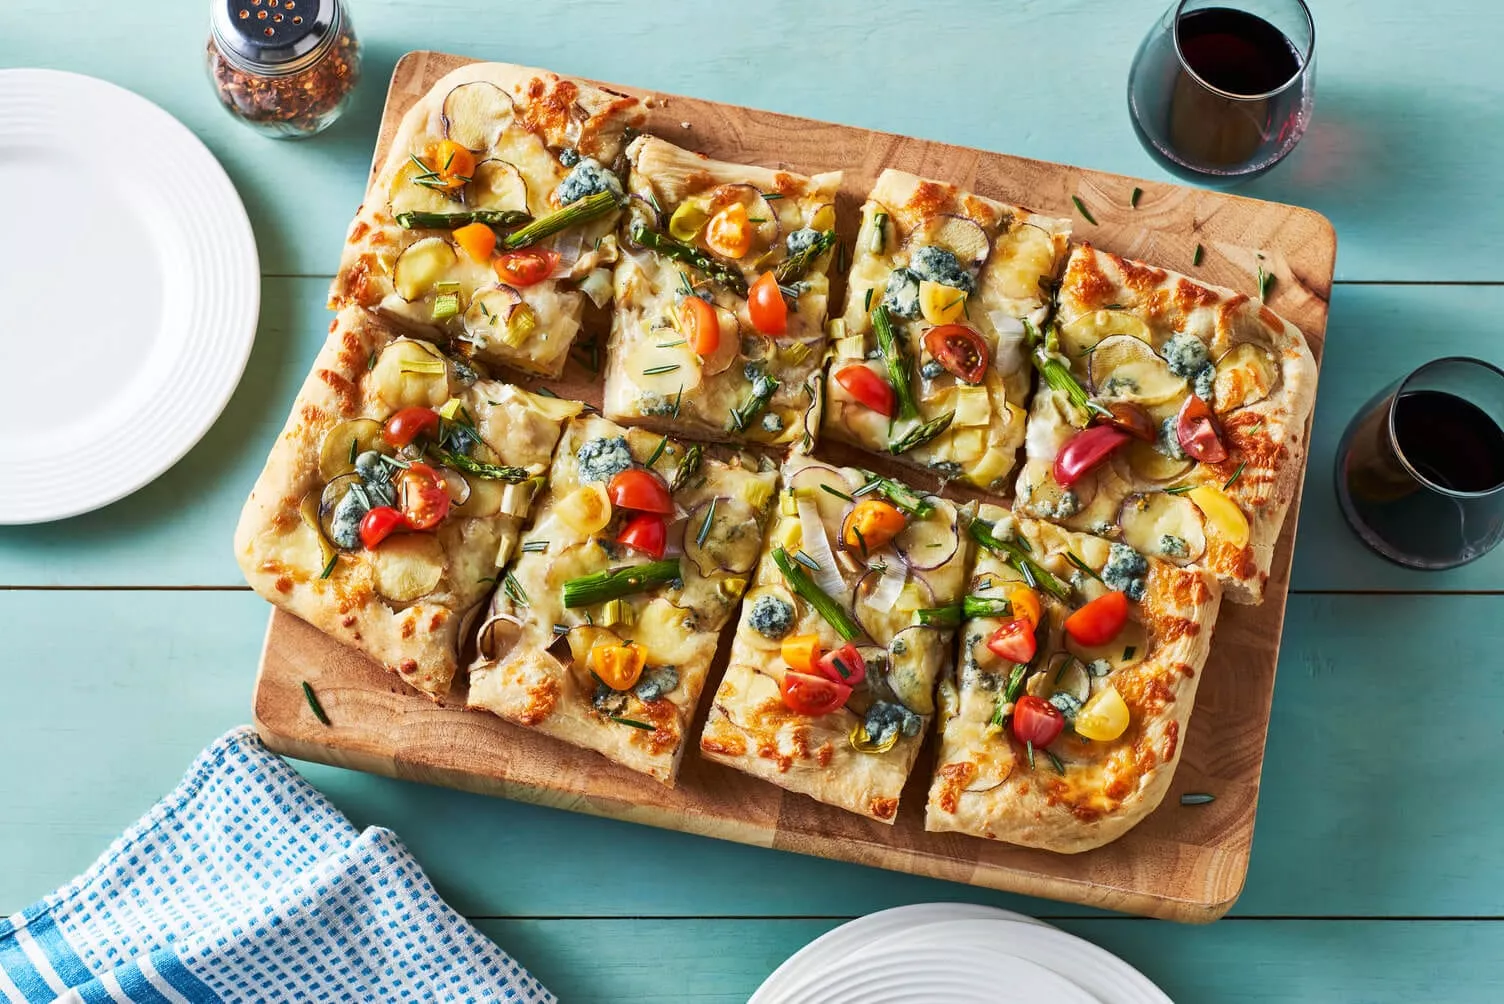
x=1080 y=563
x=907 y=500
x=794 y=267
x=1081 y=208
x=896 y=364
x=329 y=568
x=663 y=244
x=800 y=582
x=588 y=208
x=598 y=587
x=514 y=590
x=634 y=723
x=1133 y=199
x=705 y=526
x=657 y=452
x=921 y=434
x=1235 y=475
x=1197 y=798
x=656 y=370
x=313 y=703
x=1178 y=489
x=535 y=547
x=836 y=492
x=1266 y=281
x=1055 y=760
x=1196 y=258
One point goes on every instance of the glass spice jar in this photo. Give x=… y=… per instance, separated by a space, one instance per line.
x=284 y=67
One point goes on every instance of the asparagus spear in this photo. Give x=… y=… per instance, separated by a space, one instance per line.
x=952 y=614
x=588 y=208
x=1055 y=373
x=763 y=389
x=800 y=582
x=792 y=268
x=921 y=434
x=1036 y=575
x=450 y=221
x=598 y=587
x=908 y=501
x=688 y=465
x=469 y=465
x=898 y=366
x=665 y=245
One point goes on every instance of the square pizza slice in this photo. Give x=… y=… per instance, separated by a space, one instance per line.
x=1171 y=414
x=492 y=220
x=718 y=331
x=605 y=624
x=831 y=682
x=1063 y=723
x=393 y=496
x=931 y=366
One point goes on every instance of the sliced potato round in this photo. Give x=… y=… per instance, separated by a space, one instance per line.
x=1163 y=526
x=484 y=499
x=1128 y=648
x=660 y=366
x=497 y=184
x=407 y=196
x=420 y=265
x=824 y=217
x=1246 y=373
x=1046 y=495
x=666 y=631
x=308 y=511
x=961 y=236
x=1020 y=259
x=408 y=566
x=730 y=534
x=486 y=317
x=411 y=373
x=1081 y=335
x=915 y=657
x=476 y=114
x=1123 y=368
x=1146 y=465
x=330 y=498
x=336 y=451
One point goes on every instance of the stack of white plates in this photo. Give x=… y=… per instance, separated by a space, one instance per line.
x=954 y=953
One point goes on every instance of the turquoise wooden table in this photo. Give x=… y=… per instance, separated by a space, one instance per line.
x=130 y=641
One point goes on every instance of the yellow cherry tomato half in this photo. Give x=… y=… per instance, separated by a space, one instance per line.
x=618 y=666
x=1025 y=604
x=802 y=652
x=1222 y=514
x=1104 y=717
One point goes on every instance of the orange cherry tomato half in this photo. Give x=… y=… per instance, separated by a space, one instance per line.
x=868 y=388
x=812 y=695
x=1037 y=721
x=641 y=490
x=478 y=240
x=959 y=349
x=702 y=328
x=770 y=315
x=729 y=232
x=423 y=497
x=801 y=652
x=1196 y=428
x=378 y=524
x=1014 y=641
x=408 y=424
x=525 y=268
x=844 y=665
x=1099 y=621
x=1085 y=450
x=645 y=533
x=453 y=164
x=871 y=523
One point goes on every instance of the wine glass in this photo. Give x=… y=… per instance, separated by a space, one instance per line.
x=1221 y=90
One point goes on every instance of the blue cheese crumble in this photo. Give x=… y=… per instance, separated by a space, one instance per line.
x=885 y=720
x=1126 y=570
x=1119 y=386
x=939 y=265
x=656 y=681
x=587 y=177
x=1168 y=440
x=902 y=295
x=931 y=370
x=569 y=156
x=772 y=422
x=801 y=239
x=1066 y=506
x=1172 y=546
x=602 y=459
x=771 y=617
x=344 y=525
x=1185 y=355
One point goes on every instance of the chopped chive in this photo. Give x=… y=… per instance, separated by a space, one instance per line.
x=634 y=723
x=1197 y=798
x=1081 y=208
x=1266 y=280
x=677 y=398
x=1055 y=760
x=1133 y=199
x=1030 y=745
x=1112 y=306
x=771 y=196
x=657 y=452
x=837 y=493
x=1179 y=489
x=1255 y=427
x=1235 y=475
x=313 y=703
x=353 y=444
x=535 y=547
x=655 y=370
x=879 y=232
x=1196 y=258
x=757 y=219
x=705 y=526
x=1128 y=652
x=867 y=301
x=329 y=568
x=514 y=590
x=561 y=629
x=371 y=360
x=671 y=345
x=541 y=390
x=1023 y=542
x=1015 y=683
x=1080 y=563
x=806 y=560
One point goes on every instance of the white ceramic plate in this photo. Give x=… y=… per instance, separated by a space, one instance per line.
x=129 y=290
x=956 y=976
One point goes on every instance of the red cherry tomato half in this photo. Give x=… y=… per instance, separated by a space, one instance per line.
x=378 y=524
x=845 y=666
x=812 y=695
x=423 y=496
x=408 y=424
x=1196 y=428
x=1014 y=641
x=868 y=388
x=641 y=490
x=1099 y=621
x=1037 y=721
x=1085 y=450
x=645 y=533
x=525 y=268
x=770 y=315
x=959 y=349
x=702 y=328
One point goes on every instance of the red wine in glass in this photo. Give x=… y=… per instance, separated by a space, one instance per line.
x=1221 y=90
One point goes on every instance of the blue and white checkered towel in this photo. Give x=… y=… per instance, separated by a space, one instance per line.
x=245 y=884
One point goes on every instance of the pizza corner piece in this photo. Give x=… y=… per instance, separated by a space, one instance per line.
x=721 y=291
x=843 y=634
x=492 y=221
x=1062 y=724
x=1171 y=413
x=929 y=365
x=606 y=622
x=393 y=495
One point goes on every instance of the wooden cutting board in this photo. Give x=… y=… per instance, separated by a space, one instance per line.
x=1181 y=863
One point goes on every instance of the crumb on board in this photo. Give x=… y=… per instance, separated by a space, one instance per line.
x=684 y=125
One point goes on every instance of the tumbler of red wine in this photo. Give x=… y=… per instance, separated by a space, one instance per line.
x=1221 y=90
x=1420 y=471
